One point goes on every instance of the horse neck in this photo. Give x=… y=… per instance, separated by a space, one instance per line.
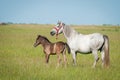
x=69 y=32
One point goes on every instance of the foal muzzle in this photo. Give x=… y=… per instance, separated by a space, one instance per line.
x=35 y=45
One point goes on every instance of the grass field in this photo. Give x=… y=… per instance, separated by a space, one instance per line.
x=19 y=60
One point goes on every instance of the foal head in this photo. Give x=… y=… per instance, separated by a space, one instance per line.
x=41 y=40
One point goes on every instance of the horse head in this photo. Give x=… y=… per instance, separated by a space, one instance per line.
x=58 y=29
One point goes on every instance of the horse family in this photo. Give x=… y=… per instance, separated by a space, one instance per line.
x=91 y=43
x=50 y=48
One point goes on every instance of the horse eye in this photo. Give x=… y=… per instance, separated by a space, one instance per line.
x=58 y=26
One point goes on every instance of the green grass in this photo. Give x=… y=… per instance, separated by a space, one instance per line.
x=19 y=60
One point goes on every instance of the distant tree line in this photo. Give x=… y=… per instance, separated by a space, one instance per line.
x=6 y=23
x=110 y=25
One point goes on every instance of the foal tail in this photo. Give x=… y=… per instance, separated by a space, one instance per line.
x=106 y=50
x=68 y=48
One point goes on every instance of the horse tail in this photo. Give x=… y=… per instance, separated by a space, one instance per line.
x=68 y=48
x=106 y=51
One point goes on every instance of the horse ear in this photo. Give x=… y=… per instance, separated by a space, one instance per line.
x=59 y=22
x=63 y=24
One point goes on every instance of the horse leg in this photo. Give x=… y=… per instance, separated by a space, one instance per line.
x=94 y=52
x=74 y=57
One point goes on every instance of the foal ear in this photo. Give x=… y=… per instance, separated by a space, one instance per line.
x=38 y=35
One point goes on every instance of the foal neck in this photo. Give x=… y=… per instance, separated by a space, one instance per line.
x=45 y=42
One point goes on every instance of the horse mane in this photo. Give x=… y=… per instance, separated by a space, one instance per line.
x=69 y=31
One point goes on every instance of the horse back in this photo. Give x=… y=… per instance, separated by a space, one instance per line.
x=86 y=43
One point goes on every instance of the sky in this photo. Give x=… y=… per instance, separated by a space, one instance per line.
x=83 y=12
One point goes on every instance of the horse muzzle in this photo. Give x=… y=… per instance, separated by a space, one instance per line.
x=52 y=33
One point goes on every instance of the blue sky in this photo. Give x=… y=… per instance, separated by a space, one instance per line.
x=68 y=11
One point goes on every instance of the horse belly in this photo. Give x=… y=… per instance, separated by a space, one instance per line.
x=83 y=44
x=84 y=48
x=79 y=44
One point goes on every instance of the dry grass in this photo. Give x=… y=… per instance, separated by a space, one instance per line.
x=19 y=60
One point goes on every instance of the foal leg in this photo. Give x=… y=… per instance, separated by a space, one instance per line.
x=64 y=56
x=94 y=52
x=47 y=58
x=58 y=56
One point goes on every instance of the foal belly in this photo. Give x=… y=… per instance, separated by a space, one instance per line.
x=52 y=53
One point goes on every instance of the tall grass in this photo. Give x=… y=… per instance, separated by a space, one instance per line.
x=19 y=60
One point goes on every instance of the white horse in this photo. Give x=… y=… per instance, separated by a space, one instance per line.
x=90 y=43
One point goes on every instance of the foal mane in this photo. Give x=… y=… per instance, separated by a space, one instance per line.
x=45 y=38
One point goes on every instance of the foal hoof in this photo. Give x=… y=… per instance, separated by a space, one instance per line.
x=97 y=59
x=74 y=64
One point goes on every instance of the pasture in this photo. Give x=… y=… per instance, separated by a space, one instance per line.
x=19 y=60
